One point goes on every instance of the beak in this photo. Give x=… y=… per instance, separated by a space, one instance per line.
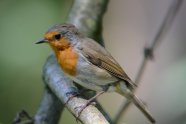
x=42 y=41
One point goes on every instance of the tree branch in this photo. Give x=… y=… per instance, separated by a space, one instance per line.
x=50 y=109
x=87 y=15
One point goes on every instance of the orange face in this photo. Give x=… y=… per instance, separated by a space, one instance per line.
x=56 y=41
x=50 y=36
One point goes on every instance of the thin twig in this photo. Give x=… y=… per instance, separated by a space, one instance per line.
x=148 y=52
x=23 y=117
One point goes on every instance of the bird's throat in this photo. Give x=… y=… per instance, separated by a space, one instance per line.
x=67 y=58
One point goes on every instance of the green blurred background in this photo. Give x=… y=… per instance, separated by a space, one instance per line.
x=22 y=23
x=129 y=26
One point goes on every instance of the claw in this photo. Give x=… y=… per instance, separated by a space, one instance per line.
x=90 y=101
x=72 y=95
x=82 y=107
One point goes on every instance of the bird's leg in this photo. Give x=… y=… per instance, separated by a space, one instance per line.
x=74 y=94
x=90 y=101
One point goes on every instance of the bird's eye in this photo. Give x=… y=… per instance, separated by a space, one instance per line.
x=57 y=36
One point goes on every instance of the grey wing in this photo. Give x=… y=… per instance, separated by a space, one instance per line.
x=98 y=56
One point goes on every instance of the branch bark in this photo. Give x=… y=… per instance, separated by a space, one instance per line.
x=87 y=16
x=50 y=106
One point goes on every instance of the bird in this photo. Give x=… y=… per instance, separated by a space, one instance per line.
x=89 y=64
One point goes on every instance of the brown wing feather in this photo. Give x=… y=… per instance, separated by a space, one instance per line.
x=98 y=56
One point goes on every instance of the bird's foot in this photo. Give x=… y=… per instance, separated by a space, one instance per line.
x=82 y=107
x=71 y=96
x=89 y=102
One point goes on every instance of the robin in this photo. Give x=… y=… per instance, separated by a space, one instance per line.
x=89 y=64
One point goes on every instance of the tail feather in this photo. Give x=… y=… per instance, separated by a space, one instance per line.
x=122 y=89
x=142 y=108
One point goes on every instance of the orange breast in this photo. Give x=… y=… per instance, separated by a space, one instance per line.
x=68 y=60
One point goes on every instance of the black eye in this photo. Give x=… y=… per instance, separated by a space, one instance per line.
x=57 y=36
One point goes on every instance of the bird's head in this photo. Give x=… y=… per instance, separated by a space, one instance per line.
x=60 y=36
